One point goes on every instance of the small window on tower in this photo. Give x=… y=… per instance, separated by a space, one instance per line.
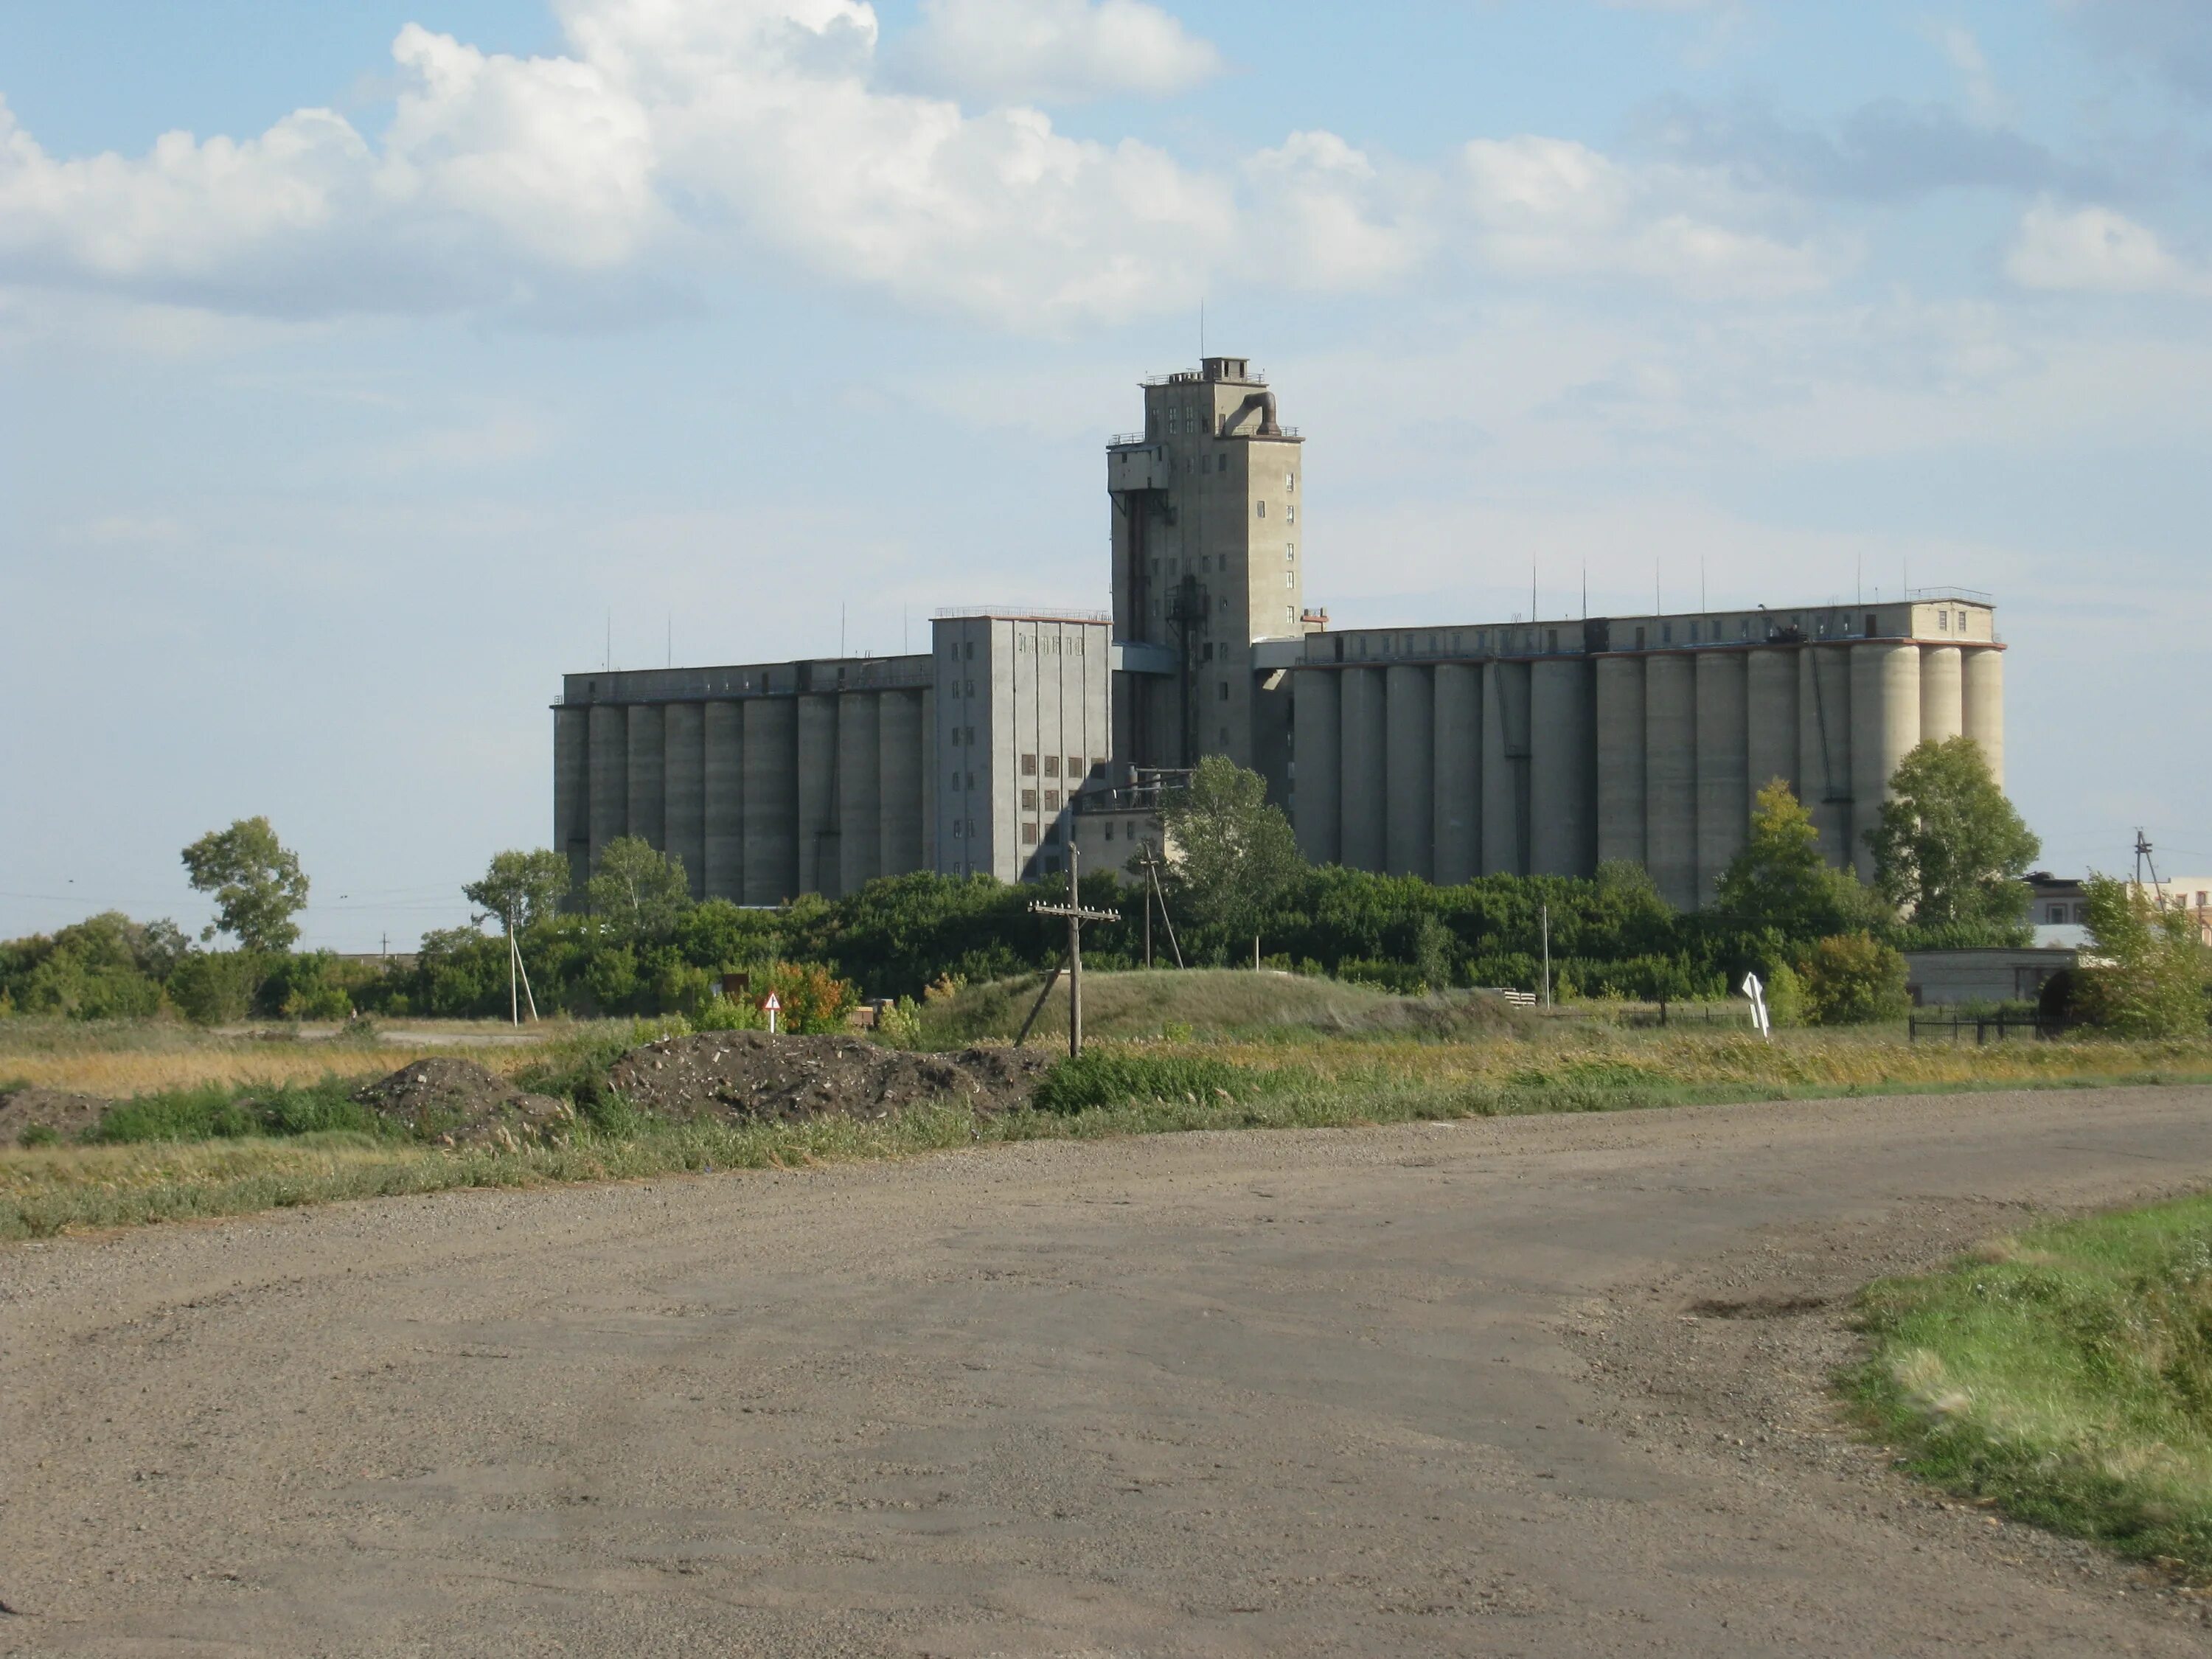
x=1052 y=800
x=1289 y=511
x=1052 y=766
x=1028 y=834
x=971 y=651
x=1029 y=766
x=1075 y=766
x=1290 y=552
x=1290 y=616
x=1290 y=579
x=1225 y=691
x=1028 y=800
x=1289 y=483
x=1262 y=507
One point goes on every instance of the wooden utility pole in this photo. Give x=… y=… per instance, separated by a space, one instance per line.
x=1154 y=895
x=1077 y=916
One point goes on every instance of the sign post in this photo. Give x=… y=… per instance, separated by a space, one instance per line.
x=1751 y=987
x=769 y=1006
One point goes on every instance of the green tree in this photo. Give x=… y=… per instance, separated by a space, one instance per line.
x=525 y=888
x=257 y=884
x=1853 y=979
x=1780 y=879
x=1234 y=855
x=1950 y=850
x=637 y=891
x=2148 y=977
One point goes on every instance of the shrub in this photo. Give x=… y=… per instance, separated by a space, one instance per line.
x=1853 y=979
x=730 y=1014
x=215 y=988
x=899 y=1024
x=2148 y=978
x=1785 y=995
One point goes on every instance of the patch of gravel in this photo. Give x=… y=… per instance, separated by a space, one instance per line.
x=69 y=1116
x=458 y=1102
x=751 y=1074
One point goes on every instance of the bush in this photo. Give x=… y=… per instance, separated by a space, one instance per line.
x=1785 y=995
x=216 y=987
x=218 y=1112
x=899 y=1024
x=2149 y=976
x=1853 y=979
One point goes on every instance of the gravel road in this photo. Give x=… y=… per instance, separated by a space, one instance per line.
x=1545 y=1386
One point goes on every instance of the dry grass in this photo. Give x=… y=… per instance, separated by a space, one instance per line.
x=119 y=1060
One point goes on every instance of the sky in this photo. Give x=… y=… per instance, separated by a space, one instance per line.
x=365 y=368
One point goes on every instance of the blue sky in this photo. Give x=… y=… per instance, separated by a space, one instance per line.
x=362 y=367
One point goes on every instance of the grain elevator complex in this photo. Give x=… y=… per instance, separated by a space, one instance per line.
x=1445 y=751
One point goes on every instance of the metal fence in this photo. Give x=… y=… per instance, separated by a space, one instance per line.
x=2002 y=1027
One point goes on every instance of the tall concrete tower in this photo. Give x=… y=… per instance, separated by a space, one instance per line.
x=1208 y=518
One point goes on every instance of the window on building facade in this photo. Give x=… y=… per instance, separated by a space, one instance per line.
x=1028 y=834
x=1052 y=766
x=955 y=777
x=1291 y=512
x=1665 y=633
x=1109 y=829
x=971 y=651
x=1029 y=766
x=1028 y=800
x=1224 y=692
x=1290 y=579
x=1052 y=800
x=971 y=780
x=1290 y=483
x=1263 y=508
x=1075 y=766
x=1291 y=615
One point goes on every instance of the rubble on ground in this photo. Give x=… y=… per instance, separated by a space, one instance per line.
x=458 y=1102
x=47 y=1114
x=753 y=1074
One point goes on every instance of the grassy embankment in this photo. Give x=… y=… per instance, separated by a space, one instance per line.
x=2064 y=1375
x=1200 y=1050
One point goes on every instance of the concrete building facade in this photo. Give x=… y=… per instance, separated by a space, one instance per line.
x=1445 y=751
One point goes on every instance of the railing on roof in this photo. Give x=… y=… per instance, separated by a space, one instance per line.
x=1970 y=595
x=1119 y=439
x=1128 y=440
x=1197 y=377
x=1038 y=612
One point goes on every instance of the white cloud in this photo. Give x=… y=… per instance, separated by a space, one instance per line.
x=1551 y=207
x=1054 y=50
x=679 y=136
x=2097 y=250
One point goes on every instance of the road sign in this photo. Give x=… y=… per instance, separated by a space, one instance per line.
x=1751 y=989
x=770 y=1004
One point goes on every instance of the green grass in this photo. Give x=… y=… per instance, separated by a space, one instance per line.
x=2064 y=1375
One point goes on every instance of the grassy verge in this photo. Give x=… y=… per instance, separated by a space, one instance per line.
x=2064 y=1375
x=53 y=1190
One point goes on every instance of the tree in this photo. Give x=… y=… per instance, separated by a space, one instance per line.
x=2148 y=980
x=1781 y=880
x=638 y=892
x=1853 y=979
x=521 y=888
x=257 y=884
x=1950 y=850
x=1235 y=853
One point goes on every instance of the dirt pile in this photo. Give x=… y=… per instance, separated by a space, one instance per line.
x=457 y=1103
x=751 y=1074
x=46 y=1114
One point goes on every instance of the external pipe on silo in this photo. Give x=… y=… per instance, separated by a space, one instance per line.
x=722 y=737
x=648 y=775
x=817 y=794
x=860 y=794
x=572 y=789
x=1885 y=725
x=684 y=765
x=1563 y=767
x=899 y=782
x=610 y=773
x=1670 y=776
x=1724 y=769
x=1771 y=749
x=1457 y=834
x=1942 y=693
x=1620 y=758
x=1983 y=683
x=1505 y=769
x=1409 y=771
x=1364 y=733
x=771 y=799
x=1317 y=784
x=930 y=856
x=1824 y=745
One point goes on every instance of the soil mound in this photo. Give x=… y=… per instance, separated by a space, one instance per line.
x=457 y=1103
x=752 y=1074
x=47 y=1113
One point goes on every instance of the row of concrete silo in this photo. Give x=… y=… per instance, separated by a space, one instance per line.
x=1686 y=740
x=1447 y=770
x=1547 y=766
x=761 y=798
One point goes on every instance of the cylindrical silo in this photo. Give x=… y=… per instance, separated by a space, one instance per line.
x=860 y=795
x=1365 y=727
x=1409 y=781
x=1457 y=834
x=1562 y=767
x=1670 y=776
x=898 y=786
x=1824 y=745
x=649 y=777
x=1885 y=725
x=1723 y=772
x=1771 y=750
x=771 y=799
x=1620 y=758
x=817 y=794
x=1505 y=769
x=608 y=762
x=722 y=736
x=684 y=764
x=1942 y=693
x=572 y=789
x=1318 y=760
x=1983 y=684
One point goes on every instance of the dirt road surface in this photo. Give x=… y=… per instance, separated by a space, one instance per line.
x=1550 y=1387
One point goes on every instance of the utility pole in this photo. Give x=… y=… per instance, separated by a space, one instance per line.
x=1077 y=916
x=1155 y=896
x=1547 y=954
x=2144 y=861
